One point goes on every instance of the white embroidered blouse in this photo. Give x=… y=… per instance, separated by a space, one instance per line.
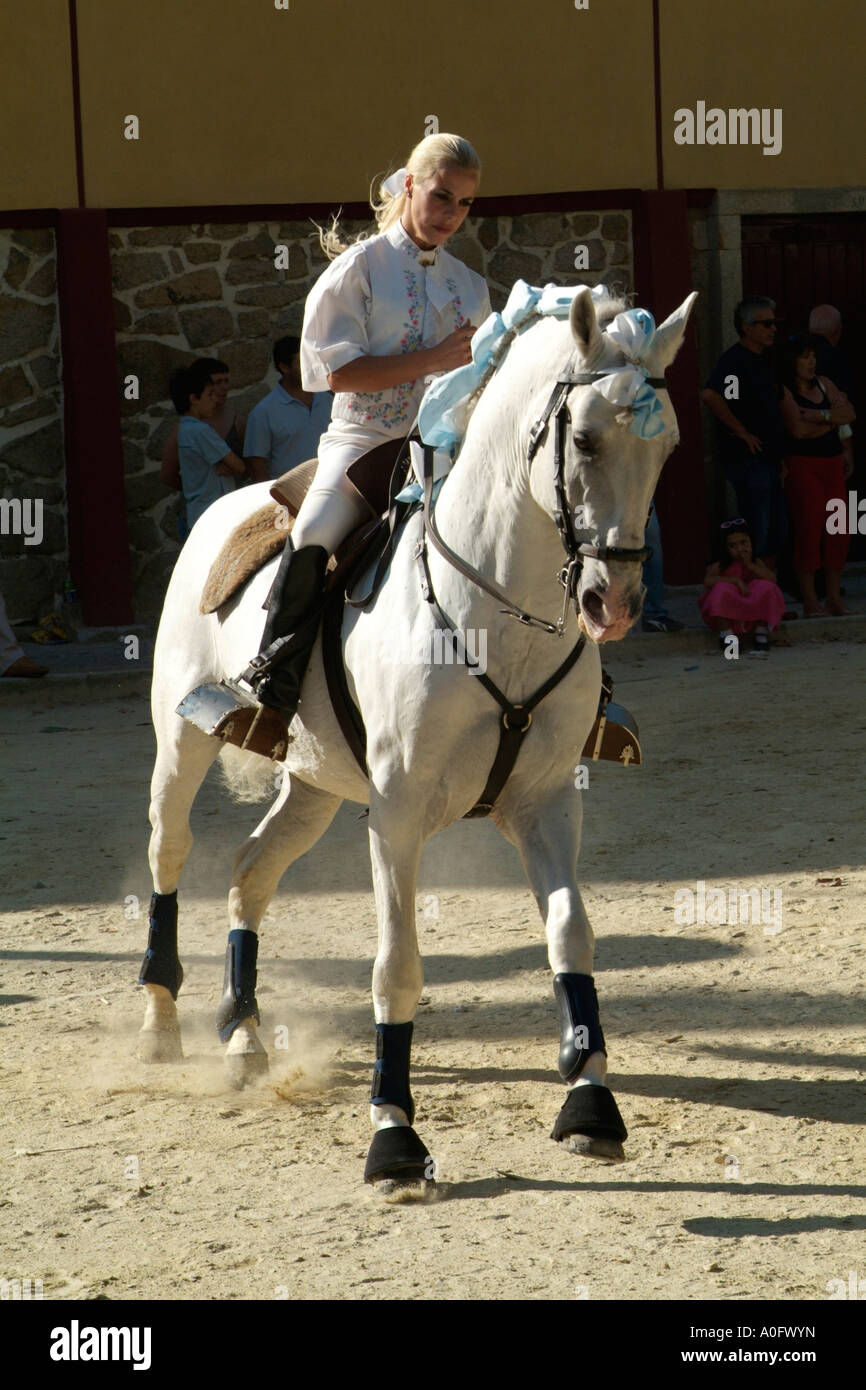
x=381 y=297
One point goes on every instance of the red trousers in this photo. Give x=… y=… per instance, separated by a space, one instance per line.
x=810 y=484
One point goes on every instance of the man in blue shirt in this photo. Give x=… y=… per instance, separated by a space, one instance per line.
x=283 y=429
x=208 y=466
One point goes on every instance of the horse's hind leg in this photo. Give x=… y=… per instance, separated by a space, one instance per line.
x=298 y=818
x=183 y=758
x=548 y=838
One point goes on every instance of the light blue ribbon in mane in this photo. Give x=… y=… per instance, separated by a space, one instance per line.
x=444 y=411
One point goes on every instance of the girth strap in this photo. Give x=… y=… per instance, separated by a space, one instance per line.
x=516 y=718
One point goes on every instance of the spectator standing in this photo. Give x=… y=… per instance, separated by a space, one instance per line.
x=655 y=616
x=284 y=429
x=208 y=466
x=825 y=325
x=228 y=424
x=743 y=395
x=813 y=409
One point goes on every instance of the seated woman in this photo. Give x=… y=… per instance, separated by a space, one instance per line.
x=741 y=593
x=391 y=310
x=814 y=471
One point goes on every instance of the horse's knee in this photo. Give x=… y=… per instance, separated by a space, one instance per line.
x=398 y=979
x=570 y=939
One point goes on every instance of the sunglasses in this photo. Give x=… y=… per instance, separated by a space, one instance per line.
x=737 y=521
x=764 y=323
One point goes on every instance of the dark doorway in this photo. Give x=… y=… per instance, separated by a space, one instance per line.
x=804 y=260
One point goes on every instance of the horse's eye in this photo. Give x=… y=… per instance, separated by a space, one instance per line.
x=584 y=444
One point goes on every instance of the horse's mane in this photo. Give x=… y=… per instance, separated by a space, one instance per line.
x=607 y=306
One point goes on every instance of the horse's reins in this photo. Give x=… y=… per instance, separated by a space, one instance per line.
x=557 y=406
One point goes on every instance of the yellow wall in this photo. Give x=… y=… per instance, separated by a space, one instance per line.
x=37 y=146
x=242 y=103
x=239 y=102
x=800 y=55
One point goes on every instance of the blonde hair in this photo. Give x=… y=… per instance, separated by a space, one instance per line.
x=428 y=156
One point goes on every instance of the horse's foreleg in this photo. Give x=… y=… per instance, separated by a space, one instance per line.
x=182 y=762
x=397 y=1156
x=589 y=1122
x=294 y=823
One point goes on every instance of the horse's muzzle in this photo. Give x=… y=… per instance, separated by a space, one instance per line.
x=609 y=611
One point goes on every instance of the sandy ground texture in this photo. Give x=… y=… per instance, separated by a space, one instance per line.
x=735 y=1051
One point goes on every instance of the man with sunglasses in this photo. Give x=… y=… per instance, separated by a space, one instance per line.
x=743 y=394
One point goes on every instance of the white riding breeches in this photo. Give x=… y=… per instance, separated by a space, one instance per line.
x=333 y=507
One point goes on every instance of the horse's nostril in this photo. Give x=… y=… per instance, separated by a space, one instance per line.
x=593 y=605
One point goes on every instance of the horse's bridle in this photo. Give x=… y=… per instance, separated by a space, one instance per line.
x=577 y=552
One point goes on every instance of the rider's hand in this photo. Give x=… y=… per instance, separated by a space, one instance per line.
x=453 y=351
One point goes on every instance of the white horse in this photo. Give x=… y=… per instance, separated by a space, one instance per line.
x=432 y=730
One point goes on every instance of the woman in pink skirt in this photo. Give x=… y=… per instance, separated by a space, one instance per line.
x=741 y=593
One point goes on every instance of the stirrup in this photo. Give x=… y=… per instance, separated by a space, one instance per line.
x=614 y=736
x=229 y=712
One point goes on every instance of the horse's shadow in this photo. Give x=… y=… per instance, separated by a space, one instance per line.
x=715 y=1227
x=831 y=1102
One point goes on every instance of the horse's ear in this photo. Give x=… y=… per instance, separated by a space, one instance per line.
x=583 y=321
x=669 y=336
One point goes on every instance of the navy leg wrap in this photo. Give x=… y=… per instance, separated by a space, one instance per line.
x=391 y=1069
x=579 y=1023
x=161 y=965
x=239 y=992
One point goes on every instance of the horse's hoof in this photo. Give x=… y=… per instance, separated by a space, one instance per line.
x=244 y=1068
x=398 y=1161
x=606 y=1150
x=159 y=1045
x=397 y=1192
x=590 y=1125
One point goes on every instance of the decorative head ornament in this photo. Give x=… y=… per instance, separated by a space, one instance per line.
x=443 y=414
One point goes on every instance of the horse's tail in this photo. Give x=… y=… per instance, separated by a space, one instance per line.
x=248 y=777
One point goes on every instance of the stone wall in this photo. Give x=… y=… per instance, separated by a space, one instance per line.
x=31 y=419
x=213 y=290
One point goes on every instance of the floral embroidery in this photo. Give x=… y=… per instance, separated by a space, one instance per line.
x=371 y=406
x=456 y=303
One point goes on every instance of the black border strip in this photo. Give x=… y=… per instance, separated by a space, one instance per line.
x=76 y=101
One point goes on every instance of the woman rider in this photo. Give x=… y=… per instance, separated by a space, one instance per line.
x=391 y=310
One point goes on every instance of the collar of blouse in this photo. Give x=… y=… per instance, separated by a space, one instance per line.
x=439 y=285
x=399 y=237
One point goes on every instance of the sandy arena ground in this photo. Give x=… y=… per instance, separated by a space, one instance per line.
x=735 y=1053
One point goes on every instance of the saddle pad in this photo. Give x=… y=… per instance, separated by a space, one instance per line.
x=254 y=541
x=249 y=546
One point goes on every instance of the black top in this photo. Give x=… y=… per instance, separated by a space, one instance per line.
x=756 y=404
x=824 y=446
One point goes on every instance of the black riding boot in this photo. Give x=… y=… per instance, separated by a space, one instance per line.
x=227 y=710
x=278 y=670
